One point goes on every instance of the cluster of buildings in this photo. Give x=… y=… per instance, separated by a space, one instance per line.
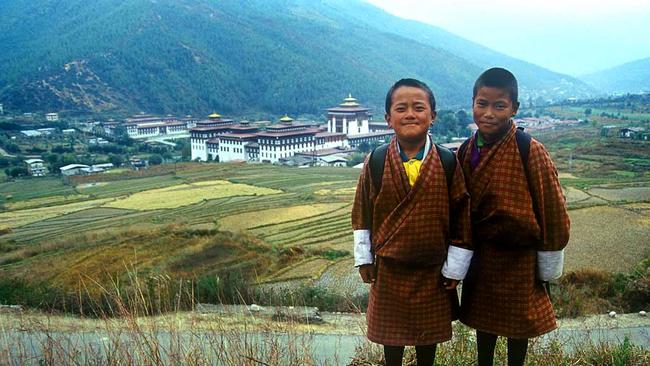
x=46 y=132
x=37 y=168
x=144 y=126
x=632 y=133
x=288 y=142
x=82 y=169
x=543 y=123
x=220 y=139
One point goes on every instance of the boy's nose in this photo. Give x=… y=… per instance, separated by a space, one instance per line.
x=410 y=112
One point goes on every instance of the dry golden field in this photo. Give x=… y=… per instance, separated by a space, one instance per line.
x=629 y=194
x=276 y=216
x=608 y=238
x=311 y=269
x=187 y=194
x=574 y=195
x=13 y=219
x=44 y=201
x=337 y=192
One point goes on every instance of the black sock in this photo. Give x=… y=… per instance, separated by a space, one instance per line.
x=517 y=349
x=485 y=343
x=393 y=355
x=426 y=355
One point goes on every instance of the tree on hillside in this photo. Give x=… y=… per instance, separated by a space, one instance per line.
x=357 y=158
x=16 y=171
x=6 y=161
x=364 y=147
x=11 y=147
x=186 y=153
x=116 y=159
x=155 y=159
x=52 y=158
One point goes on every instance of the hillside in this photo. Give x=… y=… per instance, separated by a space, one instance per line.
x=534 y=81
x=281 y=56
x=632 y=77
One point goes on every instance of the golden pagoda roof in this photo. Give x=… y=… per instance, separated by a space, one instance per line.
x=286 y=119
x=350 y=101
x=214 y=115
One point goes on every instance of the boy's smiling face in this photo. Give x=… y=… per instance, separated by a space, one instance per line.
x=493 y=109
x=410 y=114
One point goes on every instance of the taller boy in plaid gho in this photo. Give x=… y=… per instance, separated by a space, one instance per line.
x=520 y=224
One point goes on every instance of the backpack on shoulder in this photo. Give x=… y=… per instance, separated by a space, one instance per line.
x=378 y=157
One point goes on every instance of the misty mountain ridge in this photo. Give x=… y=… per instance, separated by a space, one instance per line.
x=235 y=57
x=632 y=77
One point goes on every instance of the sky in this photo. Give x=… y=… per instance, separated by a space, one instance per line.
x=573 y=37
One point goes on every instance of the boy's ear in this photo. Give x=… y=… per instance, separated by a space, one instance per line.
x=387 y=118
x=434 y=114
x=515 y=109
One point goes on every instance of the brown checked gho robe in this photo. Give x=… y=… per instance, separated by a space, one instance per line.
x=502 y=293
x=410 y=233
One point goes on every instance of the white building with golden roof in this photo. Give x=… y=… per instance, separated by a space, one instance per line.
x=349 y=117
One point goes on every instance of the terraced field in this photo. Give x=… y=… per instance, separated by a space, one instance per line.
x=187 y=194
x=177 y=223
x=627 y=194
x=608 y=238
x=277 y=205
x=328 y=229
x=14 y=219
x=262 y=221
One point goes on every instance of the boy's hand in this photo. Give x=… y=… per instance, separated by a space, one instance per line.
x=368 y=273
x=449 y=284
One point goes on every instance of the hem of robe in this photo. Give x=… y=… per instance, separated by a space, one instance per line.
x=381 y=316
x=427 y=342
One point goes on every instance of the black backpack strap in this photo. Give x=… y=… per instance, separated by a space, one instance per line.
x=448 y=160
x=523 y=145
x=376 y=161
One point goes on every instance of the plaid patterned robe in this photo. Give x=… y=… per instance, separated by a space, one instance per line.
x=410 y=232
x=501 y=294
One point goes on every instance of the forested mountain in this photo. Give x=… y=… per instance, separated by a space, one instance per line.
x=534 y=81
x=234 y=57
x=632 y=77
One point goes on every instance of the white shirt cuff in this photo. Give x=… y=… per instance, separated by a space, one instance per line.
x=362 y=246
x=550 y=264
x=457 y=263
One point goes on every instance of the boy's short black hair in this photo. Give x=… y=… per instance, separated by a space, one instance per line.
x=415 y=83
x=501 y=78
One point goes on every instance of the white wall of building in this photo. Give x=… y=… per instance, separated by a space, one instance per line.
x=199 y=149
x=351 y=127
x=286 y=147
x=230 y=150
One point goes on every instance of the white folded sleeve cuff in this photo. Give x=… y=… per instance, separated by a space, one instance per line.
x=550 y=264
x=457 y=263
x=362 y=246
